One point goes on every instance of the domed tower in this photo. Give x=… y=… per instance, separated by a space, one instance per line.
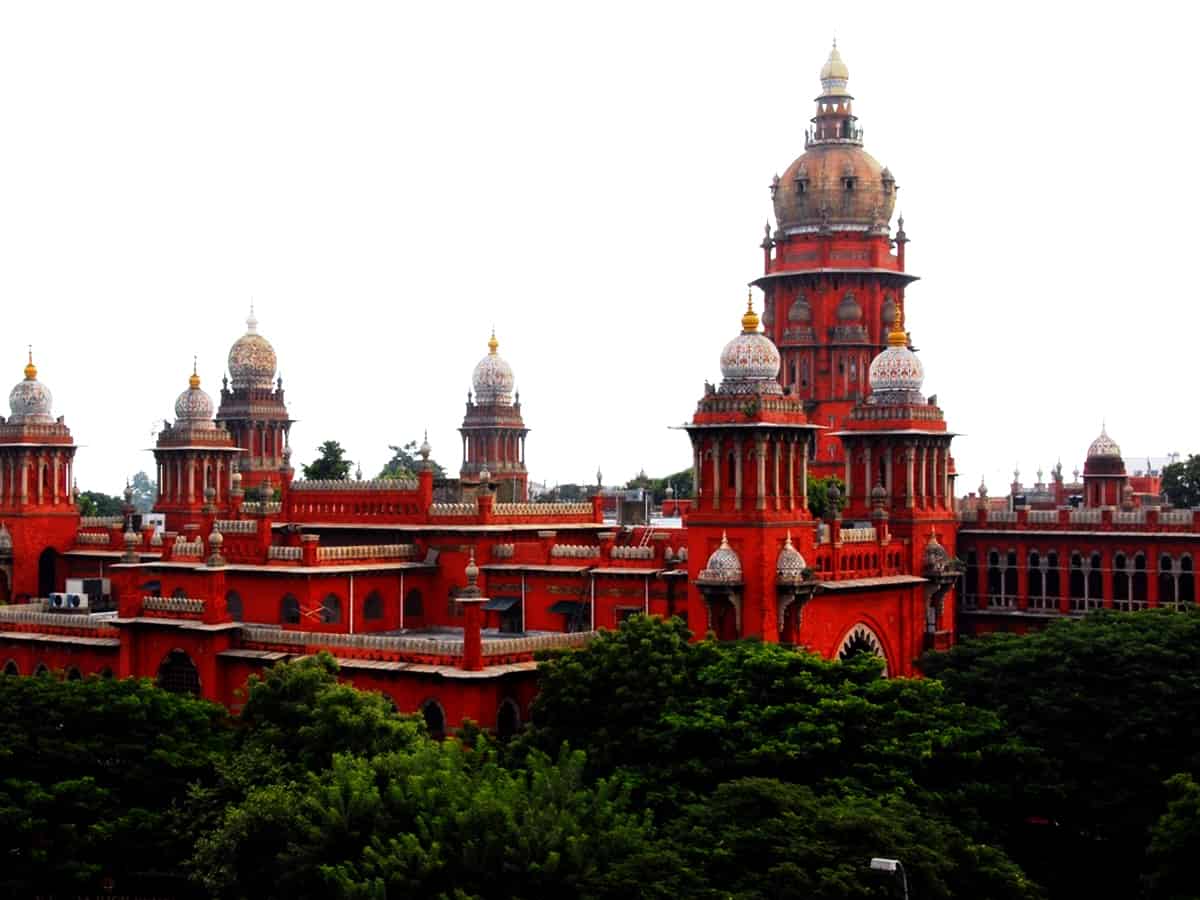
x=750 y=445
x=493 y=432
x=37 y=456
x=1104 y=476
x=831 y=279
x=195 y=458
x=253 y=409
x=897 y=468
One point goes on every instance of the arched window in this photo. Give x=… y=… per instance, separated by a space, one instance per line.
x=106 y=672
x=435 y=718
x=731 y=471
x=73 y=674
x=413 y=605
x=1139 y=581
x=995 y=578
x=233 y=603
x=41 y=670
x=1120 y=582
x=331 y=609
x=1010 y=578
x=1187 y=580
x=508 y=719
x=373 y=606
x=177 y=673
x=1037 y=580
x=1095 y=582
x=1053 y=580
x=47 y=572
x=10 y=668
x=289 y=610
x=1167 y=593
x=1078 y=583
x=970 y=587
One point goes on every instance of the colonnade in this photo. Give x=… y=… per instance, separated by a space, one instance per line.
x=924 y=466
x=774 y=463
x=498 y=448
x=36 y=476
x=184 y=476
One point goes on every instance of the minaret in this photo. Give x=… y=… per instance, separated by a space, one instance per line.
x=832 y=281
x=253 y=409
x=493 y=432
x=195 y=459
x=749 y=522
x=37 y=458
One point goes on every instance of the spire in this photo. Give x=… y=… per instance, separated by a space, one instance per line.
x=750 y=318
x=493 y=344
x=898 y=337
x=251 y=321
x=30 y=368
x=834 y=74
x=194 y=380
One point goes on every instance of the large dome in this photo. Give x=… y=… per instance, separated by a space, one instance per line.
x=1104 y=446
x=252 y=360
x=493 y=377
x=835 y=184
x=193 y=405
x=750 y=362
x=30 y=401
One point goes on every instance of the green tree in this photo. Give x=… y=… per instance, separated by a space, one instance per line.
x=1175 y=843
x=145 y=492
x=330 y=464
x=89 y=773
x=818 y=495
x=1181 y=482
x=1111 y=704
x=94 y=503
x=406 y=463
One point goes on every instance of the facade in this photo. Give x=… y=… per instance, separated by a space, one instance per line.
x=441 y=603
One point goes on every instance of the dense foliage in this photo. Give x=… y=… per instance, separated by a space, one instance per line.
x=1181 y=482
x=330 y=465
x=818 y=495
x=1062 y=764
x=95 y=503
x=406 y=463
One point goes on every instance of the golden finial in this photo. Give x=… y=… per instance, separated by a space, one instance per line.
x=898 y=337
x=493 y=343
x=750 y=318
x=194 y=380
x=30 y=368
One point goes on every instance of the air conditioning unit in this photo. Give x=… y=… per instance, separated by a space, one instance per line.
x=61 y=600
x=77 y=601
x=58 y=601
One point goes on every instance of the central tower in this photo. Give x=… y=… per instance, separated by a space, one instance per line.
x=831 y=279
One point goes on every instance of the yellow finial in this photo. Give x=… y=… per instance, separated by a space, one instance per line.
x=750 y=318
x=194 y=380
x=898 y=337
x=493 y=343
x=30 y=368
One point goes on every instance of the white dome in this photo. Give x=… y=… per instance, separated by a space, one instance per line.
x=30 y=401
x=896 y=369
x=723 y=565
x=1104 y=446
x=193 y=405
x=252 y=360
x=493 y=377
x=750 y=362
x=790 y=563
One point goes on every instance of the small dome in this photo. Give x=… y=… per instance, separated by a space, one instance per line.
x=493 y=377
x=800 y=310
x=896 y=374
x=1104 y=446
x=935 y=556
x=723 y=565
x=252 y=360
x=750 y=362
x=849 y=309
x=193 y=405
x=790 y=563
x=834 y=74
x=30 y=401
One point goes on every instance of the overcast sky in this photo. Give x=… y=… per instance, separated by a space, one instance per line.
x=387 y=181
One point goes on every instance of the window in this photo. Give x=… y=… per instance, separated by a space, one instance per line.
x=373 y=606
x=289 y=610
x=1139 y=580
x=413 y=604
x=233 y=603
x=179 y=593
x=73 y=674
x=178 y=674
x=1168 y=593
x=331 y=609
x=10 y=668
x=849 y=183
x=1187 y=581
x=41 y=670
x=508 y=719
x=435 y=719
x=1121 y=582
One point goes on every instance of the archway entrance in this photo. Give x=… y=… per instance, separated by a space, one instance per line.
x=178 y=674
x=435 y=719
x=861 y=639
x=47 y=572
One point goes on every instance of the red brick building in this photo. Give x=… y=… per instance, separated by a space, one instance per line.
x=441 y=605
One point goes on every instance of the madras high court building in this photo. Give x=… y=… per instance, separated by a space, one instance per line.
x=440 y=602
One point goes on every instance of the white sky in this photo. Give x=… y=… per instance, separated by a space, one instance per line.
x=389 y=180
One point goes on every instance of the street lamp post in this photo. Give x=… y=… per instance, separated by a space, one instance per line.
x=892 y=866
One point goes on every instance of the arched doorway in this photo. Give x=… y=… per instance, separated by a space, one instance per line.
x=861 y=639
x=508 y=719
x=435 y=719
x=724 y=619
x=233 y=605
x=10 y=668
x=47 y=572
x=177 y=673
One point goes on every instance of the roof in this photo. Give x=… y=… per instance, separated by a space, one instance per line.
x=858 y=584
x=535 y=567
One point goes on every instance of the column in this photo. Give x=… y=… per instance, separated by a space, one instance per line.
x=910 y=456
x=1106 y=575
x=23 y=461
x=924 y=467
x=41 y=479
x=868 y=481
x=888 y=460
x=775 y=480
x=849 y=448
x=716 y=457
x=696 y=463
x=738 y=465
x=57 y=457
x=760 y=455
x=191 y=479
x=804 y=472
x=1064 y=580
x=791 y=451
x=1022 y=576
x=937 y=474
